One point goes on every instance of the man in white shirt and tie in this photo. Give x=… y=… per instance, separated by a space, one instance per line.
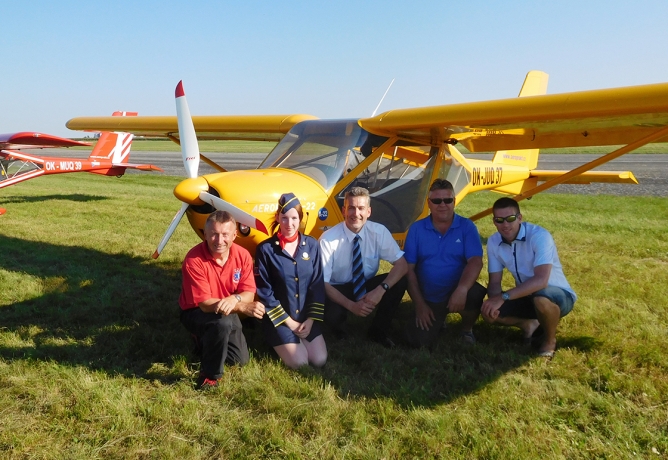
x=351 y=253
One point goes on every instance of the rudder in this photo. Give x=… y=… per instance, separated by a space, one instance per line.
x=535 y=84
x=113 y=146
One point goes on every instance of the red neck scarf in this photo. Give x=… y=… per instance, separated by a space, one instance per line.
x=283 y=239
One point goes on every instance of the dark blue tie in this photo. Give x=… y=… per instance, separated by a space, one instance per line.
x=358 y=270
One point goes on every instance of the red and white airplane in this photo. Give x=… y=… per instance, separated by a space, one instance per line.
x=109 y=157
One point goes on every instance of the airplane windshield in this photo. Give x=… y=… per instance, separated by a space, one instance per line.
x=323 y=150
x=328 y=150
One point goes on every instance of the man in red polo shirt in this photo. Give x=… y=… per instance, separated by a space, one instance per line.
x=218 y=284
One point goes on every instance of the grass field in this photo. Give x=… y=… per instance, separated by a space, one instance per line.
x=95 y=364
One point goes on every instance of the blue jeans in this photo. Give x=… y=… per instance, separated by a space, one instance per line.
x=523 y=307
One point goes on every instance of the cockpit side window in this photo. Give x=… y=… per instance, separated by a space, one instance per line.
x=397 y=182
x=324 y=150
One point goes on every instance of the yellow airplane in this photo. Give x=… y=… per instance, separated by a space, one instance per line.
x=397 y=154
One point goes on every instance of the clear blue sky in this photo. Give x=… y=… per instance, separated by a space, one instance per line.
x=329 y=59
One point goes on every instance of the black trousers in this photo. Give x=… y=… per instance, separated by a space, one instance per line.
x=222 y=339
x=336 y=315
x=419 y=338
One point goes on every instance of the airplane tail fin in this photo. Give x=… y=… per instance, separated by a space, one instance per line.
x=535 y=84
x=114 y=146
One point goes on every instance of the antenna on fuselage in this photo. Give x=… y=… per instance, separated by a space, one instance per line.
x=381 y=99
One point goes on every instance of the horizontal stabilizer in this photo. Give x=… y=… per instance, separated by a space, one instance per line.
x=136 y=166
x=620 y=177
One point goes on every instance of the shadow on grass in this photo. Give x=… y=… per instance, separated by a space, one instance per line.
x=361 y=369
x=37 y=199
x=119 y=314
x=112 y=312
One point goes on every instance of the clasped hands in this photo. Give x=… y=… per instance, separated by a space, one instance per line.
x=301 y=330
x=364 y=306
x=491 y=307
x=232 y=305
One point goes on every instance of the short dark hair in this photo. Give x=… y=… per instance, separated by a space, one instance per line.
x=220 y=217
x=358 y=191
x=506 y=202
x=441 y=184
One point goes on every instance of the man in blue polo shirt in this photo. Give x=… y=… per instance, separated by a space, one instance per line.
x=444 y=256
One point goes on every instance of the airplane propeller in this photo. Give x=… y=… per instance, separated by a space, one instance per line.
x=187 y=135
x=188 y=188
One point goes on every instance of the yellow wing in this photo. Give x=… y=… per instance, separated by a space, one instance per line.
x=269 y=128
x=600 y=117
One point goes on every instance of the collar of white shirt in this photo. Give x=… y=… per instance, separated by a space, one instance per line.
x=350 y=235
x=521 y=235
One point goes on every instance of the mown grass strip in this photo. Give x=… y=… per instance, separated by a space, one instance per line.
x=94 y=362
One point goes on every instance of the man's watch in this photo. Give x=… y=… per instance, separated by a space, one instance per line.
x=238 y=297
x=385 y=286
x=505 y=296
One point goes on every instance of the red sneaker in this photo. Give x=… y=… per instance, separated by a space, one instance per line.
x=205 y=383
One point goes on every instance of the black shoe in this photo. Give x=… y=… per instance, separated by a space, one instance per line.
x=384 y=340
x=468 y=338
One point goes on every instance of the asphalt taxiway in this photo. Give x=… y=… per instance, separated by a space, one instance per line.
x=651 y=170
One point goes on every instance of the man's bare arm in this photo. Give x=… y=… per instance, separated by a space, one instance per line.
x=494 y=284
x=399 y=269
x=494 y=301
x=424 y=315
x=541 y=275
x=231 y=304
x=469 y=276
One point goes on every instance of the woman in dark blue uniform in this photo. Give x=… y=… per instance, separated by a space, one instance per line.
x=291 y=287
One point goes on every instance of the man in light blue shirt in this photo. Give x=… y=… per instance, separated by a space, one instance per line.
x=541 y=295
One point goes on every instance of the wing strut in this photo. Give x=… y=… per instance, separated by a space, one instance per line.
x=583 y=168
x=206 y=160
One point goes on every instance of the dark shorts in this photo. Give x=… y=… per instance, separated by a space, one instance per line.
x=418 y=338
x=281 y=335
x=523 y=307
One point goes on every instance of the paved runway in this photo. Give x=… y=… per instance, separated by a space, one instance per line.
x=651 y=170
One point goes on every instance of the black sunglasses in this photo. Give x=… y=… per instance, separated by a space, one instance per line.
x=510 y=218
x=441 y=200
